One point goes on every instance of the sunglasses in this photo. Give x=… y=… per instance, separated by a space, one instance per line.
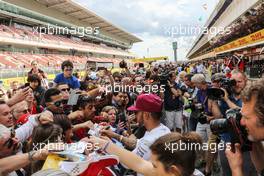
x=58 y=103
x=64 y=90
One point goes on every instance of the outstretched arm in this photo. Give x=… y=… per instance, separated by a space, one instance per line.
x=131 y=160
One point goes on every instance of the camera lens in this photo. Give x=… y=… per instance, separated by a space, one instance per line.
x=219 y=126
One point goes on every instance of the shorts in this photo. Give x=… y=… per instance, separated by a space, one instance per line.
x=173 y=119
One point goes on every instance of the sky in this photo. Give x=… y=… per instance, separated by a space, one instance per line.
x=157 y=22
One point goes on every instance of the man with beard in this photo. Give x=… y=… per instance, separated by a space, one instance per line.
x=148 y=112
x=231 y=102
x=253 y=119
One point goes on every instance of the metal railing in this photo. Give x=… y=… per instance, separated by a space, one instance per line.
x=22 y=72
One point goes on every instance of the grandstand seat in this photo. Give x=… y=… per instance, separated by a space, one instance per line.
x=15 y=60
x=22 y=33
x=7 y=62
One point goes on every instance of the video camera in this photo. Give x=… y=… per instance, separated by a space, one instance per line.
x=232 y=125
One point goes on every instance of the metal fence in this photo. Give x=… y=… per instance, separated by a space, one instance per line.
x=22 y=72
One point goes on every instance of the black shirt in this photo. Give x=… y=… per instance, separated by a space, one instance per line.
x=172 y=103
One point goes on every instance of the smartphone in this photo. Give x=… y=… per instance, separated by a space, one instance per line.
x=73 y=99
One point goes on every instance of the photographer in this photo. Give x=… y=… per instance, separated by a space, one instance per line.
x=201 y=105
x=233 y=101
x=191 y=94
x=213 y=138
x=124 y=69
x=253 y=119
x=173 y=104
x=204 y=111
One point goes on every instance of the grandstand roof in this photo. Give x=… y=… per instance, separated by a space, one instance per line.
x=227 y=13
x=73 y=9
x=219 y=9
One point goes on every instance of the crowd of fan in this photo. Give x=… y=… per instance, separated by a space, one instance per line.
x=137 y=126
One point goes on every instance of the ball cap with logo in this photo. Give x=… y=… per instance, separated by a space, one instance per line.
x=147 y=103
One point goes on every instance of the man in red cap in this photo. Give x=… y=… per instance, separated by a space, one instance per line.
x=148 y=110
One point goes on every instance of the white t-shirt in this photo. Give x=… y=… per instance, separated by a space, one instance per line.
x=143 y=145
x=197 y=173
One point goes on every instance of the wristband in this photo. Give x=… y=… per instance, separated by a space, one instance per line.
x=30 y=155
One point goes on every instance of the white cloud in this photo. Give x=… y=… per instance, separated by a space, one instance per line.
x=148 y=19
x=154 y=46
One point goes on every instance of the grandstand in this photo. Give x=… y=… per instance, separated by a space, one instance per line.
x=23 y=38
x=244 y=41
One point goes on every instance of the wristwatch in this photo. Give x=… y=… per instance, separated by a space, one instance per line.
x=30 y=155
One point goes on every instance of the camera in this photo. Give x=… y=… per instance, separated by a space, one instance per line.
x=183 y=89
x=164 y=78
x=200 y=115
x=232 y=126
x=122 y=64
x=190 y=104
x=197 y=110
x=217 y=94
x=228 y=85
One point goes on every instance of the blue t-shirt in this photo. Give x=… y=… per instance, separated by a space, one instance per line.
x=172 y=103
x=223 y=108
x=73 y=82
